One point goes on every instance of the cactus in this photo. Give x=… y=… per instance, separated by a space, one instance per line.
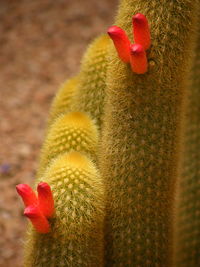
x=122 y=149
x=82 y=244
x=91 y=90
x=76 y=237
x=64 y=99
x=142 y=138
x=188 y=219
x=72 y=131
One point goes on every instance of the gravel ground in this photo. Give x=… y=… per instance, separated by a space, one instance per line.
x=41 y=45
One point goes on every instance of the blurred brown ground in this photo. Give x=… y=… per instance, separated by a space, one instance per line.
x=41 y=44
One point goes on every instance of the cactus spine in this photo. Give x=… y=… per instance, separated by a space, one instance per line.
x=76 y=237
x=141 y=143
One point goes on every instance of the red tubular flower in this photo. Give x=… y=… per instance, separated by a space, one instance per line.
x=138 y=59
x=45 y=199
x=37 y=209
x=37 y=218
x=141 y=31
x=27 y=194
x=120 y=41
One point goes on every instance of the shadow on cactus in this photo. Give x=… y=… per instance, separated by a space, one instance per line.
x=119 y=172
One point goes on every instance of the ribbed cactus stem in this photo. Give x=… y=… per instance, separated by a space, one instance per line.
x=188 y=217
x=142 y=139
x=91 y=90
x=63 y=101
x=76 y=237
x=74 y=131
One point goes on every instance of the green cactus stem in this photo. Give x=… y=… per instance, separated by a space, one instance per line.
x=188 y=225
x=74 y=131
x=76 y=237
x=142 y=138
x=91 y=90
x=63 y=100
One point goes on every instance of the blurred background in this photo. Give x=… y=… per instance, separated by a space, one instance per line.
x=41 y=45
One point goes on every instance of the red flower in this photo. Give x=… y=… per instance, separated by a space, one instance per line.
x=37 y=218
x=45 y=198
x=38 y=209
x=138 y=59
x=141 y=31
x=121 y=42
x=133 y=53
x=27 y=194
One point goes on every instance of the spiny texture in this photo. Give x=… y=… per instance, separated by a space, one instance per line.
x=64 y=98
x=149 y=151
x=188 y=226
x=141 y=143
x=76 y=237
x=91 y=90
x=72 y=131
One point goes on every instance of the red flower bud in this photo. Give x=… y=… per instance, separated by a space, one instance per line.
x=138 y=59
x=141 y=31
x=27 y=194
x=37 y=218
x=120 y=41
x=45 y=199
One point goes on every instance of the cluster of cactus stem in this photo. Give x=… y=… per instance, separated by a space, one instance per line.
x=122 y=149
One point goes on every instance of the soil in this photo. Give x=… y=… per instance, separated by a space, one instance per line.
x=41 y=45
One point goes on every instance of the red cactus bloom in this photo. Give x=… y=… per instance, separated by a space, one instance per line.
x=37 y=209
x=120 y=41
x=138 y=59
x=45 y=199
x=133 y=53
x=141 y=31
x=37 y=218
x=27 y=194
